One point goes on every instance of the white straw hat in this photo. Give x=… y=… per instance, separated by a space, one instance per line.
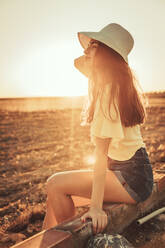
x=112 y=35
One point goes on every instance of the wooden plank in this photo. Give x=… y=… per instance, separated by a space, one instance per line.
x=50 y=238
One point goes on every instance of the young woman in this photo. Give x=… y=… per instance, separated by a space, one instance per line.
x=122 y=171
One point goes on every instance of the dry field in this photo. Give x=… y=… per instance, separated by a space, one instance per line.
x=34 y=145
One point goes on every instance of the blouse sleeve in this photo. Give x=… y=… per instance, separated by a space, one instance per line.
x=102 y=125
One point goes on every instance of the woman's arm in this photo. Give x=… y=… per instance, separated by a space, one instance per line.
x=99 y=217
x=99 y=173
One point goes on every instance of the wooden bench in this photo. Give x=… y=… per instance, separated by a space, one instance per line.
x=73 y=233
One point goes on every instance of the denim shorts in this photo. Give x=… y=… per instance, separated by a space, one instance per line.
x=135 y=174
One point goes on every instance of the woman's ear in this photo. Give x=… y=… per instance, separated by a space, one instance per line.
x=82 y=64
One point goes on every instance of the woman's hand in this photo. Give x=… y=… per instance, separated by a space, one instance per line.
x=99 y=219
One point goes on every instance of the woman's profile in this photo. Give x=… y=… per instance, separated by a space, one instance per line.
x=122 y=171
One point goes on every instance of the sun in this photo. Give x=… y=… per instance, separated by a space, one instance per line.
x=49 y=71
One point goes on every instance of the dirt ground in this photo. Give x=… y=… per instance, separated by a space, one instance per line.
x=34 y=145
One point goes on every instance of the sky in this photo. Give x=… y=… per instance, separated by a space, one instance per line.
x=38 y=43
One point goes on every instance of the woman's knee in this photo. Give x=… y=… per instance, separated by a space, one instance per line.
x=53 y=183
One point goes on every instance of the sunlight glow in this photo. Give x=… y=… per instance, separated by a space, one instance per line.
x=39 y=43
x=50 y=71
x=90 y=160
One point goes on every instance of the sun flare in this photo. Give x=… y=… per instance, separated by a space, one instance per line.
x=48 y=71
x=90 y=160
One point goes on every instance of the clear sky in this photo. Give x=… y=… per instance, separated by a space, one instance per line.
x=38 y=43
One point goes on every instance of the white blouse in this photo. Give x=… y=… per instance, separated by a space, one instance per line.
x=125 y=140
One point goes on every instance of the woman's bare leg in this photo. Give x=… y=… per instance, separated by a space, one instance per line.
x=50 y=219
x=63 y=209
x=62 y=185
x=57 y=202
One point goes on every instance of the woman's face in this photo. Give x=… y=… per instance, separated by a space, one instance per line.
x=91 y=49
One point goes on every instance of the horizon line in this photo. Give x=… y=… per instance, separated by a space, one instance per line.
x=30 y=97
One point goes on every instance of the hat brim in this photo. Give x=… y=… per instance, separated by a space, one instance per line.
x=85 y=37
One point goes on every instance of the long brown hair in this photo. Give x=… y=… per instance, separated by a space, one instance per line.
x=110 y=68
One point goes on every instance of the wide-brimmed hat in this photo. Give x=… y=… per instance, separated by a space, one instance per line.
x=112 y=35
